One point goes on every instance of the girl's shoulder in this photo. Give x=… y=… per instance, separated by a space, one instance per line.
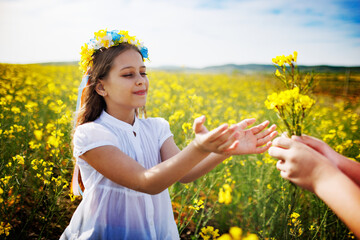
x=92 y=132
x=91 y=127
x=91 y=135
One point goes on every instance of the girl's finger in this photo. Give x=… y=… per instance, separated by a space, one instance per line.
x=233 y=146
x=282 y=142
x=260 y=127
x=263 y=148
x=228 y=146
x=198 y=122
x=217 y=132
x=225 y=135
x=245 y=123
x=229 y=142
x=266 y=139
x=266 y=132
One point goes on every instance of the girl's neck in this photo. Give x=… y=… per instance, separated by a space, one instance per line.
x=123 y=115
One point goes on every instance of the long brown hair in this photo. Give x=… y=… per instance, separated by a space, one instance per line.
x=93 y=103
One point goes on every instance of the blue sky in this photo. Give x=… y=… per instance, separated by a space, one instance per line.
x=193 y=33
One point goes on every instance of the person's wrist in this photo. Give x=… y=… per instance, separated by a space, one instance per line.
x=198 y=146
x=323 y=175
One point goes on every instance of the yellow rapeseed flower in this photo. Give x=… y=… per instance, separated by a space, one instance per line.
x=19 y=159
x=53 y=141
x=225 y=194
x=306 y=102
x=289 y=59
x=225 y=236
x=38 y=134
x=236 y=233
x=30 y=106
x=1 y=192
x=295 y=215
x=186 y=127
x=33 y=145
x=15 y=110
x=251 y=236
x=209 y=233
x=277 y=73
x=295 y=56
x=289 y=98
x=198 y=204
x=272 y=101
x=5 y=228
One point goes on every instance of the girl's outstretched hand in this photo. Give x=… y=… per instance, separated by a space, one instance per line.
x=254 y=140
x=222 y=139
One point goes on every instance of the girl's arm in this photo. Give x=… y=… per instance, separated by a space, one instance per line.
x=122 y=169
x=248 y=141
x=169 y=149
x=348 y=167
x=311 y=170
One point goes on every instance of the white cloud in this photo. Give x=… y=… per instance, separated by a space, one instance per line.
x=190 y=33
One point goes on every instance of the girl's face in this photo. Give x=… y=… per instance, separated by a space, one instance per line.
x=126 y=85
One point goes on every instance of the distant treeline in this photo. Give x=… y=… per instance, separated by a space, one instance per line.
x=271 y=68
x=245 y=68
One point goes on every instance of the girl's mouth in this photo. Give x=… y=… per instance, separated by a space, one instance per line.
x=141 y=92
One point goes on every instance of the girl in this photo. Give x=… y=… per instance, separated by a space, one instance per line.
x=127 y=163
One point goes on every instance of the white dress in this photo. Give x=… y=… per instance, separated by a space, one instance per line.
x=109 y=210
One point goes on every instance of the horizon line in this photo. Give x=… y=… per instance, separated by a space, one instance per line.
x=184 y=66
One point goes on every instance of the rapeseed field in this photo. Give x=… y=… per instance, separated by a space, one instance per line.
x=244 y=195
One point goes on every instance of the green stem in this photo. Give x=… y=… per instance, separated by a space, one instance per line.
x=292 y=74
x=282 y=117
x=322 y=221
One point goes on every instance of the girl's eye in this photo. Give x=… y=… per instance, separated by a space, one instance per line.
x=127 y=75
x=143 y=74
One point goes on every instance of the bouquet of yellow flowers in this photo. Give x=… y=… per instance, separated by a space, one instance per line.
x=292 y=104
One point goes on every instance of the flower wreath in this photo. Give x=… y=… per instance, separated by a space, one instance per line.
x=107 y=39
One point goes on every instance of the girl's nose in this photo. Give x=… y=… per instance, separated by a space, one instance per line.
x=140 y=81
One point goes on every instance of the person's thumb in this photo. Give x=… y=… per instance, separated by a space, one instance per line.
x=198 y=124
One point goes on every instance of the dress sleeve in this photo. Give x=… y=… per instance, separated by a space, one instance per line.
x=91 y=135
x=163 y=130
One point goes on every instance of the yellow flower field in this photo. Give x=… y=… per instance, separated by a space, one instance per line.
x=243 y=196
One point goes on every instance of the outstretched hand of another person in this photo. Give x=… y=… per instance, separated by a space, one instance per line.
x=254 y=140
x=299 y=163
x=349 y=167
x=309 y=168
x=320 y=147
